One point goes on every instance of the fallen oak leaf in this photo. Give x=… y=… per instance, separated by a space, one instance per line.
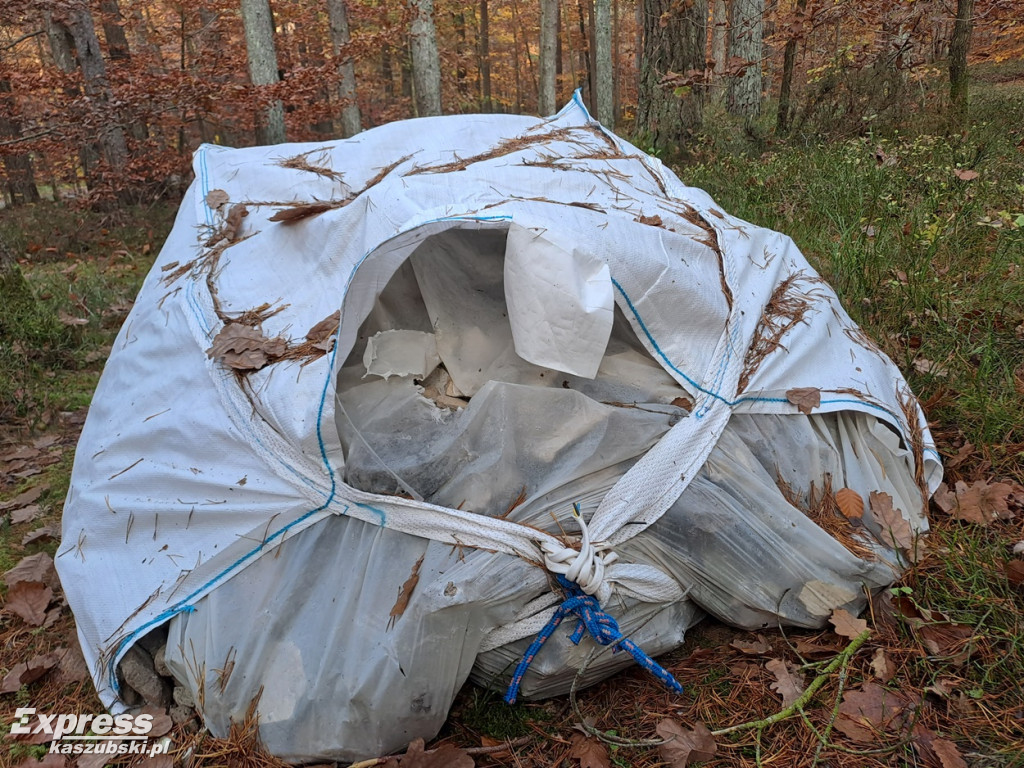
x=965 y=174
x=805 y=399
x=789 y=684
x=684 y=746
x=215 y=198
x=881 y=666
x=979 y=503
x=245 y=348
x=325 y=328
x=895 y=530
x=846 y=624
x=590 y=752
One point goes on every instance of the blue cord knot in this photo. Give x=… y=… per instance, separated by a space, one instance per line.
x=601 y=626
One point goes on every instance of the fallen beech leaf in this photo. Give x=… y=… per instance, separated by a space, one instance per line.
x=215 y=198
x=866 y=714
x=789 y=684
x=37 y=567
x=684 y=746
x=405 y=593
x=27 y=672
x=881 y=666
x=29 y=600
x=965 y=174
x=895 y=529
x=756 y=648
x=851 y=504
x=299 y=212
x=805 y=399
x=846 y=624
x=590 y=752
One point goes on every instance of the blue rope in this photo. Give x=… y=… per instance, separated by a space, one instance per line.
x=602 y=627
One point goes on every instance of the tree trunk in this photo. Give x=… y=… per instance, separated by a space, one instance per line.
x=426 y=62
x=515 y=58
x=461 y=46
x=113 y=30
x=586 y=80
x=719 y=30
x=81 y=27
x=21 y=180
x=603 y=63
x=788 y=64
x=485 y=56
x=259 y=48
x=958 y=47
x=548 y=46
x=351 y=122
x=745 y=42
x=674 y=36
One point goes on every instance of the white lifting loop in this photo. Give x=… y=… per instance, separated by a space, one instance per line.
x=584 y=566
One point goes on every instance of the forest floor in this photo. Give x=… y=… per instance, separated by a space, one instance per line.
x=920 y=231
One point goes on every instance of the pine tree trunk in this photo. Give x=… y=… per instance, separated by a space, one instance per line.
x=958 y=47
x=745 y=42
x=259 y=47
x=603 y=62
x=548 y=46
x=426 y=62
x=351 y=120
x=674 y=36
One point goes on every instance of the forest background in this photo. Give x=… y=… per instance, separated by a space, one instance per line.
x=887 y=138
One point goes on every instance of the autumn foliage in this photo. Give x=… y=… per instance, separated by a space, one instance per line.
x=119 y=113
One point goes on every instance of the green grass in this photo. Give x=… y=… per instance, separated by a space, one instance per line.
x=930 y=264
x=81 y=271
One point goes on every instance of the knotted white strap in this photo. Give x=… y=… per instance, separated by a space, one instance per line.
x=586 y=565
